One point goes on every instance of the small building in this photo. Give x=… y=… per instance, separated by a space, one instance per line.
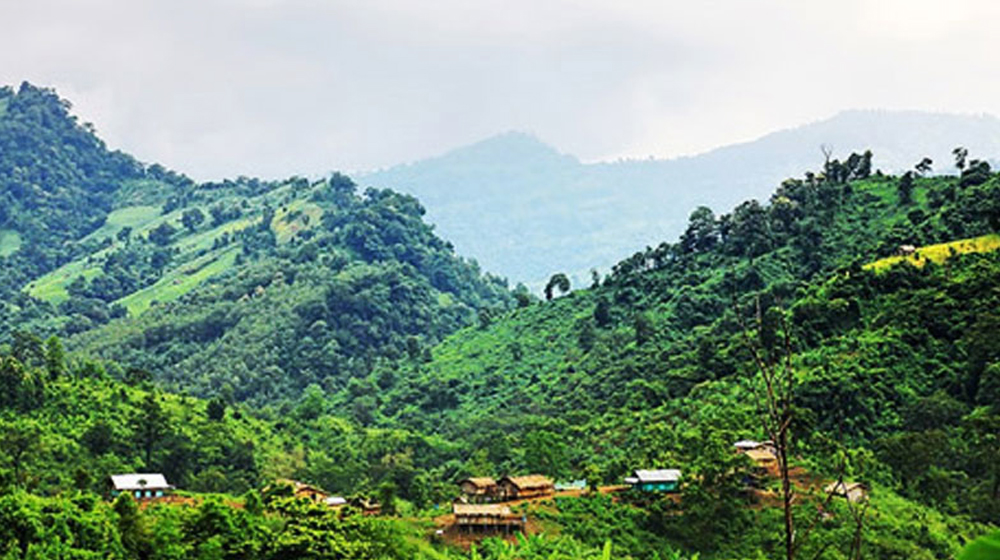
x=367 y=506
x=521 y=487
x=304 y=491
x=765 y=462
x=478 y=489
x=486 y=518
x=745 y=445
x=142 y=486
x=336 y=501
x=579 y=484
x=906 y=250
x=851 y=491
x=658 y=480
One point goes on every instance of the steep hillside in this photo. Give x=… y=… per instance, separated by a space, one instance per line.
x=898 y=384
x=341 y=342
x=633 y=371
x=526 y=211
x=252 y=288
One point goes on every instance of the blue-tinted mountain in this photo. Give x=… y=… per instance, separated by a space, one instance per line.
x=525 y=210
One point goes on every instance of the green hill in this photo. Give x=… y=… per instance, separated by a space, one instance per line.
x=242 y=286
x=231 y=333
x=897 y=377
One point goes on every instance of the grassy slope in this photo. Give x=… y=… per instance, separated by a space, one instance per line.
x=10 y=241
x=195 y=260
x=940 y=252
x=139 y=218
x=180 y=281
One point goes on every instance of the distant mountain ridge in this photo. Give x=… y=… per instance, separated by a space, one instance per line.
x=525 y=210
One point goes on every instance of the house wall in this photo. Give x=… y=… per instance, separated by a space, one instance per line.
x=659 y=486
x=146 y=494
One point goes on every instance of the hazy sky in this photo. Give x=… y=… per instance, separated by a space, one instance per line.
x=219 y=88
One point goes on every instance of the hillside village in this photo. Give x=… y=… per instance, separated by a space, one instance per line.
x=487 y=507
x=303 y=368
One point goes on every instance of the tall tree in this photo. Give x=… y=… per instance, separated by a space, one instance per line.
x=18 y=439
x=905 y=188
x=960 y=154
x=559 y=281
x=192 y=218
x=151 y=426
x=55 y=357
x=772 y=355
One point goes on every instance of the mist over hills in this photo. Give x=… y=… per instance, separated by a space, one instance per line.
x=525 y=210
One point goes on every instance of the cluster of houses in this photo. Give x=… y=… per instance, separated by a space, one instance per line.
x=485 y=489
x=481 y=506
x=484 y=502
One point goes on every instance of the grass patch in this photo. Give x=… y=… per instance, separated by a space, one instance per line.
x=180 y=281
x=135 y=217
x=203 y=240
x=10 y=242
x=294 y=217
x=52 y=286
x=940 y=252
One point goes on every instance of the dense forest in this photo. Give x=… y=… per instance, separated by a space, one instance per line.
x=231 y=335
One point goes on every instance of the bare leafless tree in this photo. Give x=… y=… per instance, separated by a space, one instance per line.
x=827 y=150
x=778 y=375
x=775 y=401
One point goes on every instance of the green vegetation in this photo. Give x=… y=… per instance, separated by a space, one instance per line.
x=361 y=276
x=940 y=252
x=137 y=218
x=248 y=331
x=983 y=548
x=10 y=242
x=179 y=282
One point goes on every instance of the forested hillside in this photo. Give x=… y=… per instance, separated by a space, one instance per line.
x=542 y=210
x=897 y=378
x=235 y=333
x=248 y=288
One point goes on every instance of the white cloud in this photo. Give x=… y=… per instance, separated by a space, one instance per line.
x=275 y=87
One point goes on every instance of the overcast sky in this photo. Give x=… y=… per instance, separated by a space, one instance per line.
x=217 y=88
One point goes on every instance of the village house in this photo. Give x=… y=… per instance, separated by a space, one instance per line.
x=745 y=445
x=521 y=487
x=763 y=454
x=765 y=462
x=303 y=490
x=336 y=501
x=852 y=491
x=579 y=484
x=658 y=480
x=486 y=518
x=367 y=506
x=478 y=489
x=142 y=486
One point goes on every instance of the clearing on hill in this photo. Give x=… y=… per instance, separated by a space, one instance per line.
x=940 y=252
x=10 y=241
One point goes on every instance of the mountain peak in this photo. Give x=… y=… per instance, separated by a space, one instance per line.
x=508 y=146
